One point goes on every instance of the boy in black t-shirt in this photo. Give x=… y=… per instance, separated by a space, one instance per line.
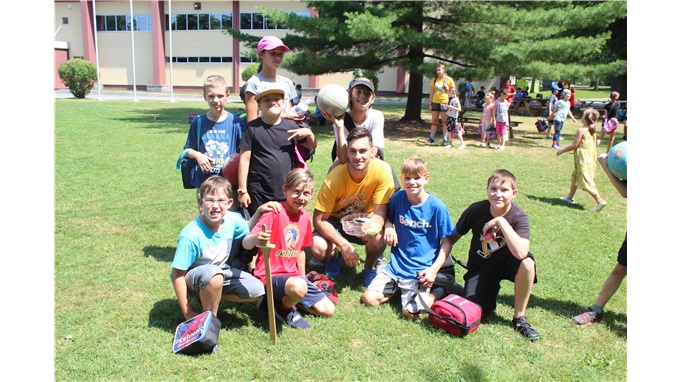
x=499 y=249
x=268 y=150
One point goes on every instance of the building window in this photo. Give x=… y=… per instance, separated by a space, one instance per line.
x=121 y=23
x=202 y=59
x=198 y=21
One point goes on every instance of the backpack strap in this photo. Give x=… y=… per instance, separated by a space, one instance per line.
x=198 y=138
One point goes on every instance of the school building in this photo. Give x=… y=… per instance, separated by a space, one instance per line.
x=178 y=43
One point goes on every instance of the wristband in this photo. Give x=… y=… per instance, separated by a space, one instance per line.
x=242 y=192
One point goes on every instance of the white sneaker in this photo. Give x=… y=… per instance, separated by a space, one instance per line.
x=567 y=199
x=600 y=206
x=482 y=145
x=461 y=147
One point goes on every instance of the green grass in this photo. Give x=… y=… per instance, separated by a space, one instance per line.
x=119 y=206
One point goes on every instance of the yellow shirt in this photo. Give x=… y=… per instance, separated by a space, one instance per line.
x=441 y=93
x=341 y=196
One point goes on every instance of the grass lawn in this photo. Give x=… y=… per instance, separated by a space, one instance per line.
x=119 y=206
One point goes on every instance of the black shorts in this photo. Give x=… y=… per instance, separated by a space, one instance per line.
x=437 y=107
x=482 y=285
x=623 y=252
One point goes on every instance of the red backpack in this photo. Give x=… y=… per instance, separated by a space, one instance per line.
x=326 y=285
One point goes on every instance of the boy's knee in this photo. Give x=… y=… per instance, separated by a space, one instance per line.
x=620 y=270
x=370 y=299
x=527 y=266
x=215 y=283
x=325 y=308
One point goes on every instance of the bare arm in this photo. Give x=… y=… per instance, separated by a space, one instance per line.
x=180 y=285
x=341 y=149
x=251 y=107
x=326 y=229
x=577 y=140
x=519 y=247
x=621 y=187
x=428 y=275
x=243 y=168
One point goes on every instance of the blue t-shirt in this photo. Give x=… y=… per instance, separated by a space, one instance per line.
x=219 y=140
x=419 y=232
x=199 y=245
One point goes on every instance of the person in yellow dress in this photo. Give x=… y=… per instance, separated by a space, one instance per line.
x=585 y=160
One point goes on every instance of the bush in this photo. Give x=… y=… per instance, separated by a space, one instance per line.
x=250 y=71
x=79 y=75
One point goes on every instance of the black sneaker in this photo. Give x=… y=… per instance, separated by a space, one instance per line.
x=430 y=141
x=524 y=327
x=292 y=317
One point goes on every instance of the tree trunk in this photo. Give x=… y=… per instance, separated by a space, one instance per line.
x=620 y=84
x=414 y=101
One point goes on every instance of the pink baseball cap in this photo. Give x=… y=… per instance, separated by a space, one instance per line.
x=271 y=43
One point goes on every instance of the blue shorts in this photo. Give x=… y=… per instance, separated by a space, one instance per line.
x=313 y=296
x=236 y=281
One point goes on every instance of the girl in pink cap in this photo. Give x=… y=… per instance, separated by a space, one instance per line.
x=270 y=49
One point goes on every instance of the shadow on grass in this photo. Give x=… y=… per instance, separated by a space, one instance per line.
x=166 y=315
x=555 y=202
x=165 y=254
x=617 y=323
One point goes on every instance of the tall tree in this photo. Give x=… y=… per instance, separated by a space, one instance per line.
x=478 y=39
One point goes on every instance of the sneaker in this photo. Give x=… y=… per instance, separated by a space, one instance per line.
x=567 y=199
x=501 y=148
x=524 y=327
x=430 y=141
x=261 y=303
x=557 y=146
x=560 y=138
x=314 y=262
x=292 y=318
x=447 y=145
x=461 y=147
x=549 y=136
x=588 y=317
x=600 y=206
x=369 y=275
x=332 y=267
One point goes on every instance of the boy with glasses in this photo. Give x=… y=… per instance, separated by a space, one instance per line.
x=200 y=267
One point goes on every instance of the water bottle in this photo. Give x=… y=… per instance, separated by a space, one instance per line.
x=301 y=108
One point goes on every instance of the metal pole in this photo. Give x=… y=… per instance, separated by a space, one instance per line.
x=132 y=34
x=172 y=95
x=96 y=49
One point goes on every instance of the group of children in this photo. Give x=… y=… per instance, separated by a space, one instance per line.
x=273 y=192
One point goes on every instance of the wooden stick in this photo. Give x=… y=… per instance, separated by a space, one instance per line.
x=269 y=289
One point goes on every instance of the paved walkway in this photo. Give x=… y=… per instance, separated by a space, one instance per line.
x=184 y=97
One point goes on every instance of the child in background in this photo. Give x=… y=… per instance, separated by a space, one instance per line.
x=585 y=157
x=610 y=120
x=438 y=96
x=453 y=128
x=488 y=121
x=290 y=231
x=417 y=250
x=560 y=114
x=500 y=111
x=552 y=105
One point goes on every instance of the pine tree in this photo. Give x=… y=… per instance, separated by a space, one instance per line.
x=478 y=40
